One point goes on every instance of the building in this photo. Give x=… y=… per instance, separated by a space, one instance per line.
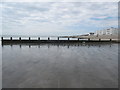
x=91 y=33
x=110 y=31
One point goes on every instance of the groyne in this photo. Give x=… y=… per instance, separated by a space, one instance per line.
x=49 y=40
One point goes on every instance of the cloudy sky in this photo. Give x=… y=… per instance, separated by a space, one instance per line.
x=57 y=18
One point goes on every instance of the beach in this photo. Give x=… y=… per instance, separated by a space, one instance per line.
x=63 y=65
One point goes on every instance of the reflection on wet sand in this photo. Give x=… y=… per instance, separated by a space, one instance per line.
x=63 y=44
x=62 y=65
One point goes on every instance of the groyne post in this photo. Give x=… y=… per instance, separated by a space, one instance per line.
x=48 y=38
x=2 y=38
x=38 y=38
x=20 y=38
x=68 y=39
x=29 y=38
x=78 y=39
x=11 y=38
x=99 y=39
x=58 y=38
x=110 y=39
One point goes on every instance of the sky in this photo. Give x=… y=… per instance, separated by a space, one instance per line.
x=57 y=18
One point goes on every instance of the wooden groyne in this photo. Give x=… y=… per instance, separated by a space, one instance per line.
x=29 y=40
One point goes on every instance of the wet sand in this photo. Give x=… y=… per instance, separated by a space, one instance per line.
x=60 y=66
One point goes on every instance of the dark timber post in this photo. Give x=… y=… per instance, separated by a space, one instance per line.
x=29 y=38
x=68 y=39
x=99 y=40
x=58 y=38
x=2 y=38
x=20 y=38
x=11 y=38
x=110 y=40
x=78 y=39
x=48 y=38
x=38 y=38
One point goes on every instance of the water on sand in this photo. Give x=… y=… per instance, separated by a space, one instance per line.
x=60 y=66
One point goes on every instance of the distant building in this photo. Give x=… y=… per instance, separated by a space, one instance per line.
x=91 y=33
x=110 y=31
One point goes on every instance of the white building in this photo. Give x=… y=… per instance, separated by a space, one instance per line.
x=110 y=31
